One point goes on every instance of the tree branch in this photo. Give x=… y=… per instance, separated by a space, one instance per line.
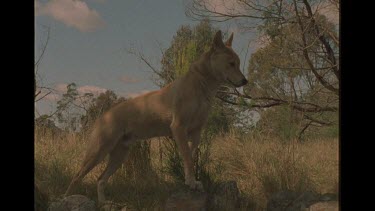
x=307 y=57
x=270 y=102
x=331 y=55
x=317 y=121
x=42 y=96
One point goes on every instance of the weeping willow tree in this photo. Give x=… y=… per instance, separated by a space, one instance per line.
x=186 y=46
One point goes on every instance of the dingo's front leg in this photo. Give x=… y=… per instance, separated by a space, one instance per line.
x=180 y=134
x=195 y=140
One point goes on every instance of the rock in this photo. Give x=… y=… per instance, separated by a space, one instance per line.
x=291 y=201
x=186 y=200
x=73 y=203
x=306 y=201
x=324 y=206
x=225 y=196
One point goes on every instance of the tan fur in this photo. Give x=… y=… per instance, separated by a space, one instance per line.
x=180 y=109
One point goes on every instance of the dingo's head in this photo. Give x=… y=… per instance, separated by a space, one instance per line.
x=225 y=62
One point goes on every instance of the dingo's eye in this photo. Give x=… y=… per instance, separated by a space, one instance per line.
x=231 y=64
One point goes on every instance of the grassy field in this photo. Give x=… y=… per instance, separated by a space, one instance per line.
x=260 y=165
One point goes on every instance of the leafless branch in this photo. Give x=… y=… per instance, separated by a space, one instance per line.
x=270 y=102
x=325 y=43
x=140 y=56
x=317 y=121
x=44 y=47
x=45 y=95
x=306 y=54
x=303 y=130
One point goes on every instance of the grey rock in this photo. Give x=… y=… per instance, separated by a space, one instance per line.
x=324 y=206
x=305 y=201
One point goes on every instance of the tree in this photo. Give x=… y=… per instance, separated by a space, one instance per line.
x=98 y=106
x=45 y=124
x=187 y=45
x=298 y=65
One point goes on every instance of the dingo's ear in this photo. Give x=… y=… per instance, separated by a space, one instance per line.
x=229 y=41
x=218 y=40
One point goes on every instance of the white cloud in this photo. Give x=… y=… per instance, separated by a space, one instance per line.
x=52 y=97
x=62 y=87
x=127 y=79
x=73 y=13
x=91 y=89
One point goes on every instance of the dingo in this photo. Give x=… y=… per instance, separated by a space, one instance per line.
x=180 y=109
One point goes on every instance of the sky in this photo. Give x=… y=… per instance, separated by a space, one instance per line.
x=89 y=39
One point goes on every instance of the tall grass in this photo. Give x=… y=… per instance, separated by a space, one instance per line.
x=260 y=164
x=57 y=160
x=263 y=165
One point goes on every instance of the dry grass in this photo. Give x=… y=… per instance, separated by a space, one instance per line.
x=259 y=165
x=57 y=160
x=262 y=165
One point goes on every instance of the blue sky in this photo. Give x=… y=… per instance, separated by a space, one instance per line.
x=88 y=42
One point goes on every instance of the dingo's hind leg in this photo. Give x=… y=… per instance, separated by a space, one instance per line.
x=91 y=160
x=116 y=158
x=94 y=155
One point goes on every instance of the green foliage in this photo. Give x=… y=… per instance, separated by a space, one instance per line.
x=187 y=45
x=279 y=70
x=218 y=119
x=327 y=131
x=138 y=162
x=280 y=122
x=174 y=165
